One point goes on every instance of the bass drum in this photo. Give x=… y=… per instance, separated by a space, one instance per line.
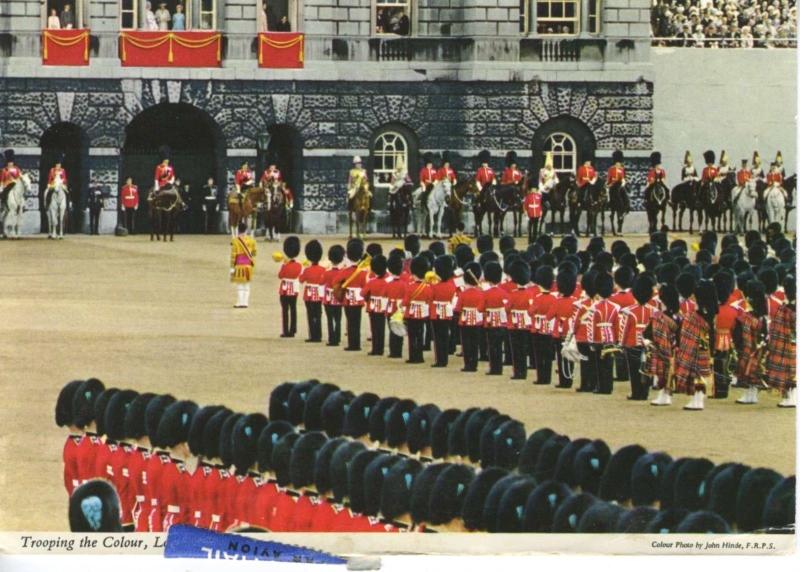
x=397 y=325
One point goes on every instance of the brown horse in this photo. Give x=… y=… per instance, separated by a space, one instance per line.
x=273 y=210
x=462 y=195
x=359 y=207
x=240 y=208
x=164 y=207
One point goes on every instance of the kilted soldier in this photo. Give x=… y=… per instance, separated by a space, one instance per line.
x=443 y=292
x=495 y=319
x=313 y=281
x=129 y=196
x=724 y=325
x=661 y=339
x=519 y=324
x=395 y=293
x=333 y=307
x=349 y=282
x=96 y=202
x=693 y=364
x=542 y=341
x=633 y=321
x=750 y=340
x=560 y=316
x=470 y=308
x=289 y=276
x=601 y=332
x=374 y=293
x=243 y=253
x=416 y=308
x=781 y=360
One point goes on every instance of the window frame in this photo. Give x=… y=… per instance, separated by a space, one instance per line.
x=577 y=20
x=79 y=7
x=549 y=146
x=377 y=4
x=379 y=153
x=596 y=17
x=135 y=11
x=214 y=14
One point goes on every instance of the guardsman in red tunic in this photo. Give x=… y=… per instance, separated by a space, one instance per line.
x=349 y=282
x=541 y=333
x=164 y=173
x=129 y=196
x=446 y=172
x=10 y=173
x=560 y=317
x=313 y=283
x=693 y=359
x=427 y=175
x=781 y=359
x=710 y=171
x=511 y=174
x=533 y=208
x=395 y=293
x=624 y=298
x=416 y=308
x=616 y=172
x=244 y=178
x=586 y=175
x=775 y=178
x=723 y=334
x=743 y=175
x=485 y=174
x=633 y=320
x=519 y=323
x=443 y=292
x=374 y=294
x=289 y=288
x=580 y=330
x=65 y=418
x=174 y=492
x=470 y=308
x=57 y=177
x=331 y=304
x=656 y=173
x=495 y=319
x=270 y=174
x=601 y=332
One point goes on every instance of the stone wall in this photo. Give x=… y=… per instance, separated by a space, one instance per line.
x=338 y=17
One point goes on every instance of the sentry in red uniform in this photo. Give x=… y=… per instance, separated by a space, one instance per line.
x=511 y=176
x=446 y=173
x=485 y=176
x=774 y=178
x=656 y=174
x=441 y=319
x=416 y=311
x=199 y=491
x=427 y=175
x=533 y=205
x=289 y=275
x=155 y=467
x=561 y=316
x=313 y=280
x=352 y=296
x=615 y=175
x=88 y=449
x=9 y=174
x=175 y=494
x=164 y=176
x=120 y=461
x=586 y=174
x=130 y=196
x=70 y=455
x=271 y=174
x=602 y=319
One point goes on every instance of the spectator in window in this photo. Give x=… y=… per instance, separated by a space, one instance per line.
x=403 y=24
x=53 y=23
x=150 y=22
x=262 y=18
x=698 y=36
x=284 y=25
x=179 y=19
x=163 y=17
x=381 y=22
x=67 y=17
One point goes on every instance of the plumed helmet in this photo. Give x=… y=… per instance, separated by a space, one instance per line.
x=356 y=160
x=687 y=158
x=617 y=156
x=304 y=457
x=173 y=427
x=244 y=441
x=94 y=507
x=355 y=249
x=709 y=157
x=542 y=504
x=511 y=158
x=313 y=251
x=643 y=289
x=64 y=415
x=655 y=159
x=356 y=421
x=484 y=156
x=569 y=513
x=322 y=464
x=269 y=437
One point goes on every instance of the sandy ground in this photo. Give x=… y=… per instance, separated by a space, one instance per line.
x=158 y=317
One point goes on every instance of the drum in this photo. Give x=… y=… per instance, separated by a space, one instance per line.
x=397 y=325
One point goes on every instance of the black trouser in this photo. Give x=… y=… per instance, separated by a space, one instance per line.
x=428 y=336
x=94 y=220
x=533 y=228
x=531 y=353
x=416 y=339
x=334 y=317
x=377 y=325
x=353 y=315
x=620 y=368
x=130 y=220
x=640 y=384
x=211 y=218
x=588 y=368
x=289 y=315
x=722 y=379
x=441 y=342
x=395 y=345
x=565 y=367
x=603 y=366
x=507 y=359
x=494 y=342
x=519 y=340
x=543 y=346
x=455 y=335
x=314 y=317
x=470 y=342
x=483 y=349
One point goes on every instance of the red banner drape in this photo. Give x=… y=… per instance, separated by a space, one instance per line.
x=65 y=47
x=171 y=49
x=281 y=50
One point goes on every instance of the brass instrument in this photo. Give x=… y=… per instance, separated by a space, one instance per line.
x=339 y=290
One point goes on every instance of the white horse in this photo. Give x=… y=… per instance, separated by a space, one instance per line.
x=57 y=211
x=420 y=214
x=775 y=204
x=744 y=205
x=437 y=201
x=14 y=205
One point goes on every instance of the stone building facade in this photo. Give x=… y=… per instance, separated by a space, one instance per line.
x=470 y=75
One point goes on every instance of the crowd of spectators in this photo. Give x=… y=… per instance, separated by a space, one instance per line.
x=725 y=23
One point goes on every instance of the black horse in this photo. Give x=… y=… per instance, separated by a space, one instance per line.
x=789 y=185
x=562 y=196
x=400 y=210
x=593 y=200
x=656 y=198
x=726 y=186
x=619 y=204
x=500 y=199
x=713 y=203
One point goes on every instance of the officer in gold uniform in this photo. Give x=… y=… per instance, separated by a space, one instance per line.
x=243 y=253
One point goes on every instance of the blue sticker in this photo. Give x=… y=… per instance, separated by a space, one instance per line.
x=274 y=438
x=664 y=531
x=248 y=431
x=92 y=509
x=384 y=470
x=573 y=521
x=409 y=479
x=497 y=432
x=460 y=489
x=654 y=470
x=189 y=542
x=702 y=490
x=509 y=441
x=520 y=509
x=87 y=395
x=366 y=412
x=184 y=418
x=595 y=463
x=406 y=415
x=551 y=498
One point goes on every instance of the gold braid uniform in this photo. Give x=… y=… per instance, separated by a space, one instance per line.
x=243 y=253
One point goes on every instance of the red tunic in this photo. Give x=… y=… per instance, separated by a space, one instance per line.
x=198 y=487
x=743 y=177
x=70 y=455
x=313 y=280
x=174 y=496
x=282 y=511
x=484 y=176
x=632 y=322
x=495 y=308
x=427 y=176
x=774 y=302
x=56 y=173
x=519 y=303
x=656 y=174
x=602 y=320
x=710 y=172
x=774 y=179
x=164 y=175
x=723 y=328
x=102 y=462
x=561 y=315
x=352 y=295
x=289 y=275
x=304 y=513
x=615 y=175
x=470 y=306
x=88 y=449
x=781 y=359
x=581 y=320
x=511 y=176
x=623 y=298
x=329 y=279
x=533 y=205
x=693 y=357
x=446 y=173
x=395 y=293
x=244 y=178
x=266 y=496
x=130 y=196
x=417 y=301
x=442 y=303
x=539 y=309
x=687 y=307
x=374 y=294
x=156 y=466
x=120 y=462
x=270 y=175
x=9 y=174
x=138 y=483
x=585 y=175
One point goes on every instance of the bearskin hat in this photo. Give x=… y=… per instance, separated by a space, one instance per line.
x=667 y=489
x=100 y=405
x=457 y=436
x=542 y=504
x=419 y=266
x=226 y=439
x=211 y=432
x=422 y=490
x=244 y=441
x=754 y=488
x=173 y=427
x=449 y=493
x=667 y=273
x=666 y=521
x=703 y=521
x=506 y=243
x=437 y=247
x=590 y=464
x=313 y=251
x=115 y=414
x=655 y=159
x=779 y=508
x=723 y=282
x=395 y=265
x=153 y=414
x=322 y=464
x=569 y=512
x=334 y=411
x=378 y=265
x=296 y=405
x=624 y=276
x=520 y=272
x=757 y=297
x=355 y=249
x=445 y=157
x=134 y=425
x=94 y=507
x=629 y=259
x=374 y=249
x=473 y=429
x=356 y=421
x=279 y=401
x=565 y=466
x=164 y=152
x=291 y=247
x=269 y=437
x=544 y=277
x=790 y=287
x=546 y=242
x=312 y=414
x=199 y=422
x=418 y=432
x=511 y=158
x=486 y=439
x=372 y=482
x=707 y=300
x=642 y=289
x=444 y=266
x=769 y=278
x=685 y=284
x=64 y=415
x=411 y=244
x=398 y=485
x=548 y=457
x=511 y=511
x=566 y=281
x=617 y=156
x=476 y=495
x=440 y=431
x=282 y=458
x=356 y=475
x=493 y=272
x=530 y=451
x=429 y=256
x=464 y=255
x=601 y=517
x=508 y=444
x=484 y=156
x=304 y=457
x=9 y=156
x=378 y=418
x=616 y=482
x=336 y=254
x=709 y=157
x=472 y=273
x=397 y=422
x=83 y=401
x=646 y=476
x=604 y=285
x=636 y=520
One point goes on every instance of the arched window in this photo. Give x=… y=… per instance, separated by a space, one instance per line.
x=564 y=150
x=390 y=148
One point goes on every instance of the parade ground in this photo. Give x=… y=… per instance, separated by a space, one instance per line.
x=154 y=316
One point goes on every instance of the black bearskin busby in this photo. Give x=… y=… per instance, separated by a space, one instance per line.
x=114 y=415
x=135 y=416
x=449 y=493
x=173 y=427
x=636 y=520
x=444 y=266
x=457 y=437
x=616 y=483
x=420 y=424
x=422 y=490
x=590 y=464
x=601 y=517
x=530 y=451
x=709 y=157
x=94 y=507
x=754 y=488
x=297 y=400
x=473 y=429
x=646 y=476
x=356 y=421
x=244 y=441
x=64 y=415
x=617 y=156
x=542 y=504
x=354 y=249
x=723 y=489
x=398 y=485
x=565 y=466
x=477 y=492
x=411 y=244
x=666 y=521
x=199 y=422
x=211 y=432
x=342 y=457
x=511 y=512
x=269 y=437
x=374 y=475
x=397 y=422
x=705 y=522
x=440 y=431
x=356 y=475
x=83 y=402
x=282 y=458
x=570 y=511
x=484 y=156
x=642 y=289
x=378 y=418
x=313 y=251
x=291 y=247
x=655 y=159
x=779 y=508
x=153 y=414
x=304 y=457
x=548 y=457
x=486 y=439
x=279 y=401
x=322 y=464
x=334 y=411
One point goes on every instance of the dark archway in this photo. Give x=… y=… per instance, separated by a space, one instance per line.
x=198 y=152
x=575 y=129
x=285 y=149
x=71 y=141
x=384 y=144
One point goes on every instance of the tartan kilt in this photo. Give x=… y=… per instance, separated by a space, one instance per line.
x=747 y=367
x=658 y=364
x=693 y=357
x=242 y=274
x=781 y=361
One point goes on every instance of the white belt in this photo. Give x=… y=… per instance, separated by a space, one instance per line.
x=174 y=509
x=197 y=514
x=153 y=502
x=419 y=309
x=139 y=498
x=471 y=316
x=76 y=483
x=444 y=309
x=520 y=317
x=215 y=518
x=380 y=303
x=315 y=291
x=289 y=286
x=354 y=295
x=125 y=472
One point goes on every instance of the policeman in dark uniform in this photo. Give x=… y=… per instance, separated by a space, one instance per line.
x=96 y=202
x=210 y=204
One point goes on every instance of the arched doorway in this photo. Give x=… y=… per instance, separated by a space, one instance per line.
x=390 y=144
x=570 y=141
x=198 y=152
x=71 y=141
x=285 y=149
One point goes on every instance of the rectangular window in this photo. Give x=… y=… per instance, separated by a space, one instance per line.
x=128 y=14
x=595 y=16
x=165 y=15
x=208 y=14
x=558 y=17
x=65 y=14
x=393 y=17
x=524 y=21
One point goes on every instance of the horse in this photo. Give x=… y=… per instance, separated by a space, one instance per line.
x=164 y=206
x=435 y=205
x=656 y=197
x=57 y=210
x=744 y=203
x=256 y=198
x=500 y=199
x=274 y=210
x=775 y=204
x=726 y=186
x=239 y=209
x=684 y=196
x=13 y=205
x=480 y=208
x=400 y=210
x=713 y=203
x=619 y=205
x=359 y=207
x=593 y=199
x=461 y=196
